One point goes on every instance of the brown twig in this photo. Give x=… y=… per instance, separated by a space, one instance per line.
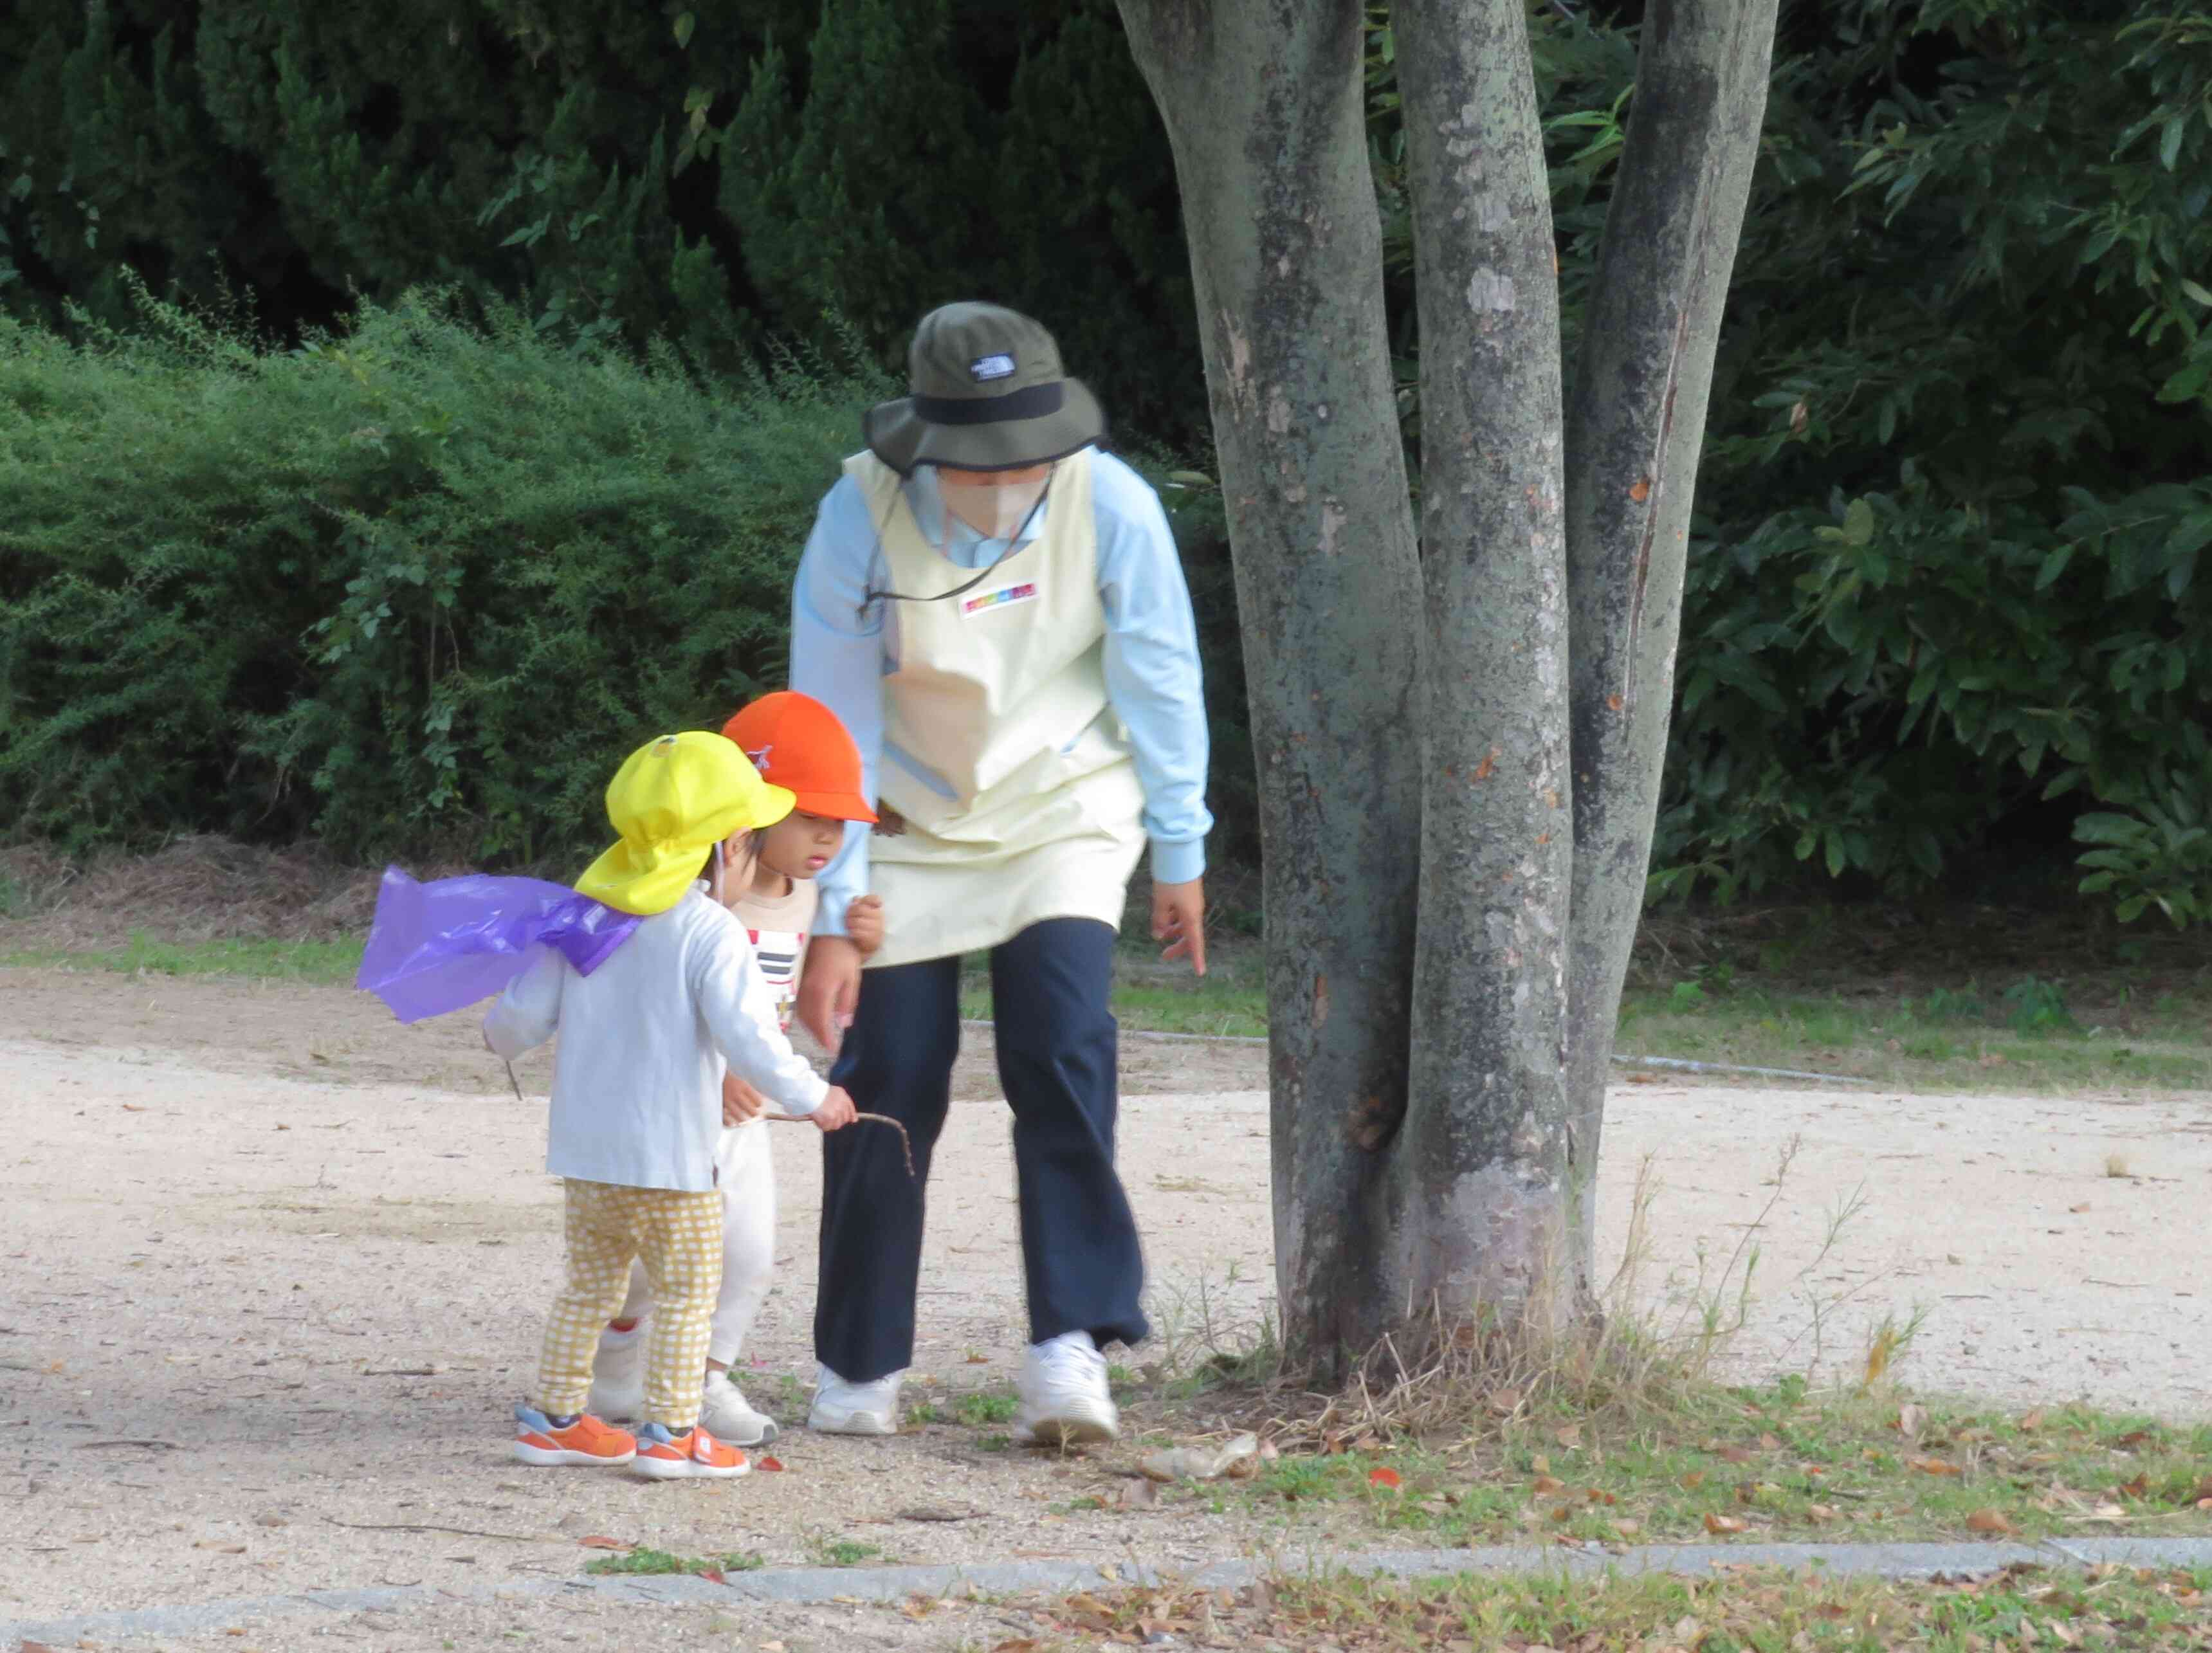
x=458 y=1532
x=906 y=1142
x=93 y=1446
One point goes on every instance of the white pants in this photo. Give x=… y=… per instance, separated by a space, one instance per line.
x=746 y=1177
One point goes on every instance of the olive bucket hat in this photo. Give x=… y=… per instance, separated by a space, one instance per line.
x=988 y=395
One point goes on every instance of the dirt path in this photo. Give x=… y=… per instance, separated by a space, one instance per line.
x=306 y=1252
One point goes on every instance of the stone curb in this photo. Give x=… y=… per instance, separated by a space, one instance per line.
x=834 y=1584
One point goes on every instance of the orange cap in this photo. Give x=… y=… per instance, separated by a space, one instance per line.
x=797 y=743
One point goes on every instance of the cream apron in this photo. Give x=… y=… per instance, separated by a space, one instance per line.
x=1000 y=693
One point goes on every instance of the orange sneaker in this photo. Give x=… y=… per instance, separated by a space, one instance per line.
x=663 y=1455
x=583 y=1439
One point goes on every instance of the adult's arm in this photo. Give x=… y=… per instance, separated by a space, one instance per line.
x=837 y=657
x=1153 y=674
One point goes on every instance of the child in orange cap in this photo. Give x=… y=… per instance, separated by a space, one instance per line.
x=636 y=1113
x=797 y=744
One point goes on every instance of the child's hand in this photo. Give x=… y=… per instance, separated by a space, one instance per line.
x=740 y=1101
x=864 y=924
x=836 y=1111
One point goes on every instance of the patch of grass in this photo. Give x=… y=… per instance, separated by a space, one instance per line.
x=642 y=1561
x=314 y=962
x=995 y=1442
x=1765 y=1609
x=844 y=1551
x=2030 y=1041
x=922 y=1413
x=1775 y=1464
x=981 y=1407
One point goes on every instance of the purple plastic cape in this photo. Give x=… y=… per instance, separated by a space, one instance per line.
x=450 y=942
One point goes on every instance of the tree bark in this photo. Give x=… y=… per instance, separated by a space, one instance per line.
x=1264 y=111
x=1485 y=1167
x=1439 y=1079
x=1636 y=427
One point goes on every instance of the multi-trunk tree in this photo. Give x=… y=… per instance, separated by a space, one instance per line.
x=1459 y=711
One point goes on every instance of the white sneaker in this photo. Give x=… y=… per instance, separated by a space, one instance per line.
x=1065 y=1398
x=843 y=1409
x=618 y=1377
x=727 y=1416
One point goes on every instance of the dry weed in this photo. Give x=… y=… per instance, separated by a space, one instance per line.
x=196 y=888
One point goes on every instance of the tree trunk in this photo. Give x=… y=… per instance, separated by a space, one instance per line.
x=1264 y=111
x=1487 y=1220
x=1636 y=428
x=1439 y=1082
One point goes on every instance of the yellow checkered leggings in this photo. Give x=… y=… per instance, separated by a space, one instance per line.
x=678 y=1238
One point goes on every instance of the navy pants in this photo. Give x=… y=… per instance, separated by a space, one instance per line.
x=1049 y=989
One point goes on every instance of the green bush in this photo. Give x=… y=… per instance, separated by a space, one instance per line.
x=414 y=589
x=1959 y=478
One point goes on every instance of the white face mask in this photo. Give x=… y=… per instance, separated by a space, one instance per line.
x=995 y=510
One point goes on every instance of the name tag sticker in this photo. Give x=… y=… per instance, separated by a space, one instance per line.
x=1005 y=596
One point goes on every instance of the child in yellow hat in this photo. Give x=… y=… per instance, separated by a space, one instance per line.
x=637 y=1098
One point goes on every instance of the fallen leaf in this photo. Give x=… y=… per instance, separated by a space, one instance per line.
x=1628 y=1528
x=128 y=1107
x=1822 y=1514
x=941 y=1512
x=979 y=1359
x=1911 y=1421
x=2135 y=1437
x=2032 y=1420
x=1769 y=1443
x=1201 y=1463
x=1736 y=1454
x=1725 y=1524
x=1540 y=1464
x=1693 y=1481
x=1387 y=1479
x=1570 y=1436
x=1640 y=489
x=598 y=1542
x=1545 y=1486
x=2139 y=1487
x=219 y=1546
x=768 y=1466
x=1934 y=1466
x=1988 y=1521
x=1504 y=1402
x=2078 y=1210
x=1563 y=1513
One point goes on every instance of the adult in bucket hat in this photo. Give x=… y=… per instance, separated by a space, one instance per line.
x=994 y=608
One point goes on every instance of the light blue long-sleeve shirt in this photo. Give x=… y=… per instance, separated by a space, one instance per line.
x=842 y=647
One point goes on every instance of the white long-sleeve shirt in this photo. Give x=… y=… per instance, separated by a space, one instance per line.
x=637 y=1078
